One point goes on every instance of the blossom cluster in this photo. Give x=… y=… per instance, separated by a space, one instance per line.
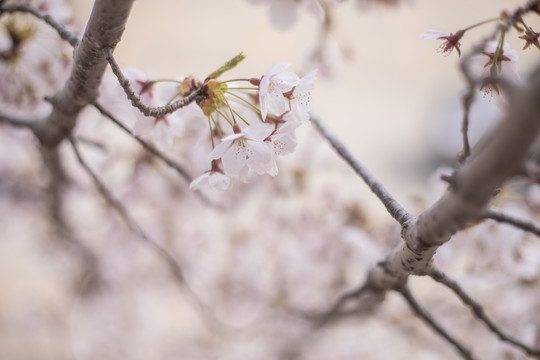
x=250 y=127
x=494 y=59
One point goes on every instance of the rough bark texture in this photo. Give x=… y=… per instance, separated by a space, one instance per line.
x=499 y=155
x=104 y=29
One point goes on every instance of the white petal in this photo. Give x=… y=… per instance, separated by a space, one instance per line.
x=219 y=150
x=276 y=68
x=219 y=180
x=199 y=181
x=259 y=131
x=234 y=160
x=433 y=35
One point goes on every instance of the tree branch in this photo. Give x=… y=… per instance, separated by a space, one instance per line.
x=179 y=169
x=479 y=312
x=498 y=155
x=393 y=207
x=104 y=29
x=522 y=224
x=503 y=26
x=171 y=163
x=432 y=323
x=136 y=101
x=171 y=262
x=65 y=34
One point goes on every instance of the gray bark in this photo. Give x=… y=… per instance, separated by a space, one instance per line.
x=104 y=29
x=499 y=155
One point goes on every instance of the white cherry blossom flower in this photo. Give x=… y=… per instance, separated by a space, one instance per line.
x=300 y=100
x=213 y=178
x=245 y=150
x=165 y=128
x=275 y=82
x=283 y=140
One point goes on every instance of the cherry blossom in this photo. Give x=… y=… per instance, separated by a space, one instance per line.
x=245 y=150
x=531 y=38
x=499 y=61
x=283 y=139
x=164 y=128
x=300 y=100
x=451 y=40
x=214 y=178
x=274 y=83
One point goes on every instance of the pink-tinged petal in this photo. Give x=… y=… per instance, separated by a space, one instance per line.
x=277 y=103
x=433 y=35
x=143 y=126
x=263 y=105
x=257 y=153
x=491 y=46
x=283 y=144
x=219 y=150
x=199 y=182
x=219 y=180
x=286 y=79
x=259 y=131
x=235 y=158
x=276 y=68
x=232 y=137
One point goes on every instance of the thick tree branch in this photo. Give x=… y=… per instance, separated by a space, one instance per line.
x=65 y=34
x=393 y=207
x=432 y=323
x=104 y=30
x=522 y=224
x=499 y=155
x=479 y=312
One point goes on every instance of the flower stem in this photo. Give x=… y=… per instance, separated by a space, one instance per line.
x=480 y=23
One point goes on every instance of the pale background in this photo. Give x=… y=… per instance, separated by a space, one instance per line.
x=395 y=103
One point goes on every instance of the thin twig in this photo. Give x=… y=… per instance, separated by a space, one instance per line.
x=468 y=99
x=23 y=123
x=136 y=101
x=479 y=312
x=146 y=145
x=525 y=225
x=335 y=310
x=90 y=279
x=430 y=321
x=65 y=34
x=134 y=226
x=393 y=207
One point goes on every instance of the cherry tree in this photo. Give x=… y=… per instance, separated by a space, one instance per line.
x=207 y=217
